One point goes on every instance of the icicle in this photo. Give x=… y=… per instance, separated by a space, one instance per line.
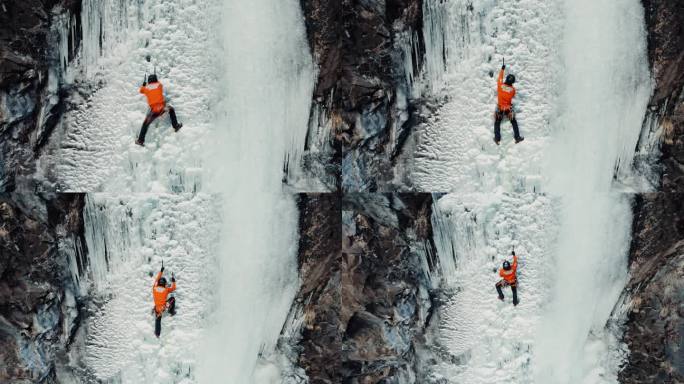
x=444 y=242
x=453 y=31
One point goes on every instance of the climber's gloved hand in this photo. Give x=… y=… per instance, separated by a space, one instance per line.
x=173 y=278
x=162 y=268
x=513 y=253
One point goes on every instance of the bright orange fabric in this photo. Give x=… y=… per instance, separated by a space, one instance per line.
x=155 y=96
x=510 y=275
x=160 y=294
x=505 y=93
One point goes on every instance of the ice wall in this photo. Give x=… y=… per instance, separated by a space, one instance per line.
x=465 y=42
x=267 y=81
x=606 y=89
x=489 y=341
x=93 y=149
x=127 y=239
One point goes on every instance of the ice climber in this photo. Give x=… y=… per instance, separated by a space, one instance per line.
x=154 y=91
x=504 y=108
x=509 y=278
x=162 y=301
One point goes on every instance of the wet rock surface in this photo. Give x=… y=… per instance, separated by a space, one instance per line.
x=655 y=325
x=40 y=307
x=365 y=292
x=665 y=27
x=363 y=90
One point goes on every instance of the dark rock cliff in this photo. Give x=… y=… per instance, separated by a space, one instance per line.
x=365 y=296
x=39 y=300
x=385 y=289
x=360 y=48
x=665 y=27
x=319 y=258
x=655 y=324
x=30 y=93
x=40 y=307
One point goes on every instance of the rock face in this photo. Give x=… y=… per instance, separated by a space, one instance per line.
x=665 y=27
x=319 y=258
x=361 y=48
x=366 y=296
x=30 y=96
x=655 y=325
x=39 y=303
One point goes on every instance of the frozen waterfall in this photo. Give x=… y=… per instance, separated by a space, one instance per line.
x=558 y=198
x=267 y=83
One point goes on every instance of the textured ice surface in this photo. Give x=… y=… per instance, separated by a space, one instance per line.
x=466 y=41
x=493 y=341
x=241 y=77
x=95 y=150
x=127 y=239
x=583 y=86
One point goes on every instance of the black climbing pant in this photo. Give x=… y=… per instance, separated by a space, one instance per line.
x=171 y=307
x=152 y=116
x=514 y=288
x=499 y=116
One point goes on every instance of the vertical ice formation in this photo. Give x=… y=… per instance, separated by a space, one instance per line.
x=127 y=239
x=268 y=82
x=453 y=31
x=605 y=93
x=319 y=150
x=607 y=87
x=123 y=40
x=65 y=27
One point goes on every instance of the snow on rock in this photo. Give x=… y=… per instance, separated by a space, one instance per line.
x=465 y=44
x=121 y=42
x=127 y=238
x=491 y=341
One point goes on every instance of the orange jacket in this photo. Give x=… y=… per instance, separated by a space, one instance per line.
x=509 y=275
x=155 y=96
x=161 y=293
x=505 y=93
